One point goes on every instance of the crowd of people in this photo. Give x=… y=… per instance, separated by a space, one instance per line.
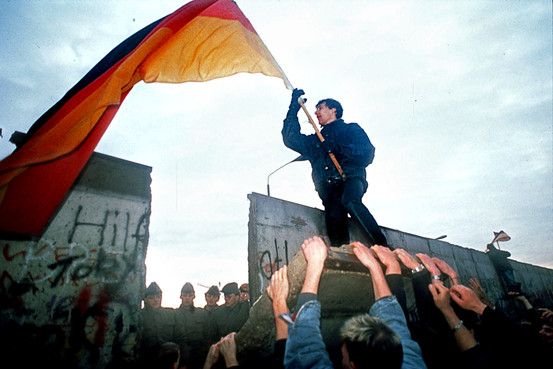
x=188 y=330
x=455 y=326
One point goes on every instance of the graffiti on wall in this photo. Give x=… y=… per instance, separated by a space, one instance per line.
x=58 y=264
x=271 y=260
x=76 y=279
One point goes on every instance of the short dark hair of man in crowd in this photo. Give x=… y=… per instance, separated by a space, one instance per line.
x=370 y=343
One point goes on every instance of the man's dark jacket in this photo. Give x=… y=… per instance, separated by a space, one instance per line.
x=231 y=319
x=200 y=333
x=352 y=148
x=158 y=326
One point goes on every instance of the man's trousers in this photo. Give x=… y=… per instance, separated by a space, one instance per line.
x=342 y=197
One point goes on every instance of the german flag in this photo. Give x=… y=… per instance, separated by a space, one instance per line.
x=201 y=41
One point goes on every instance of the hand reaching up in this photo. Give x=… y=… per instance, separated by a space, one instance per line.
x=365 y=256
x=467 y=299
x=446 y=269
x=388 y=258
x=407 y=259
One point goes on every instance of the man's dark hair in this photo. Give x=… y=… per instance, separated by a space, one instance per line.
x=371 y=343
x=169 y=354
x=332 y=104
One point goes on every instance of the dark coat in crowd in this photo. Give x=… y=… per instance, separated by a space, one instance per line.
x=200 y=334
x=158 y=326
x=231 y=319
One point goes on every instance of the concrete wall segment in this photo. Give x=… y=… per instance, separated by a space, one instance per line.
x=79 y=286
x=346 y=293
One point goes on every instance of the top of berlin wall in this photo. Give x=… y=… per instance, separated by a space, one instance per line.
x=271 y=211
x=110 y=174
x=278 y=227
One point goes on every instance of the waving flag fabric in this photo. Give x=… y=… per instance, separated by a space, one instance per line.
x=201 y=41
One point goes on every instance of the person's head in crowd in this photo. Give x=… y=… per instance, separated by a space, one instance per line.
x=232 y=294
x=187 y=295
x=546 y=333
x=152 y=296
x=244 y=292
x=212 y=297
x=168 y=356
x=369 y=343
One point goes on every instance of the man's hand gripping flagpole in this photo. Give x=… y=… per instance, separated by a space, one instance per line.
x=290 y=87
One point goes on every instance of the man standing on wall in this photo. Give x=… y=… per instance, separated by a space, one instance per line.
x=354 y=152
x=503 y=268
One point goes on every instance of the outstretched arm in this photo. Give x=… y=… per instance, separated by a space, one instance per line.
x=278 y=292
x=305 y=346
x=366 y=257
x=440 y=293
x=477 y=288
x=393 y=274
x=446 y=269
x=227 y=347
x=388 y=258
x=212 y=356
x=387 y=308
x=467 y=299
x=430 y=265
x=315 y=252
x=291 y=131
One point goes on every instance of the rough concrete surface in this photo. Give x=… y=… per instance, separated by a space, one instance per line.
x=277 y=229
x=343 y=293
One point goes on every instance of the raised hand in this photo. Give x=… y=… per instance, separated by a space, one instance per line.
x=365 y=255
x=407 y=259
x=467 y=299
x=546 y=315
x=429 y=264
x=441 y=296
x=294 y=103
x=279 y=287
x=446 y=269
x=212 y=356
x=388 y=258
x=479 y=291
x=227 y=347
x=315 y=253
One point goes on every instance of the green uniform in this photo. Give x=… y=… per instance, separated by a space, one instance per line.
x=200 y=334
x=158 y=326
x=231 y=319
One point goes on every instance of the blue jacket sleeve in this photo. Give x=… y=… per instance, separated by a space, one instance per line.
x=356 y=149
x=293 y=138
x=389 y=311
x=305 y=347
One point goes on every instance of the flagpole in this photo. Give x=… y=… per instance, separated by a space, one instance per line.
x=300 y=100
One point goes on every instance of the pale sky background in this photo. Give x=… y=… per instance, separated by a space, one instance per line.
x=455 y=95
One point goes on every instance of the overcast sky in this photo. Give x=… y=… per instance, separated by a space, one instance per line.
x=455 y=95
